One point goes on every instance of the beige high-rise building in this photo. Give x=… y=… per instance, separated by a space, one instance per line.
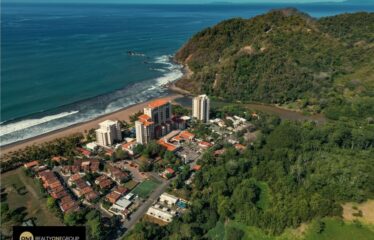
x=144 y=128
x=155 y=122
x=201 y=108
x=108 y=133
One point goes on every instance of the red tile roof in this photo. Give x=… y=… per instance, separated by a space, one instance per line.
x=168 y=146
x=112 y=197
x=158 y=103
x=196 y=168
x=75 y=177
x=205 y=144
x=58 y=158
x=144 y=117
x=105 y=183
x=128 y=145
x=170 y=170
x=31 y=164
x=84 y=151
x=69 y=206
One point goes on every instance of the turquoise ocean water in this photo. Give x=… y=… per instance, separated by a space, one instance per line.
x=63 y=64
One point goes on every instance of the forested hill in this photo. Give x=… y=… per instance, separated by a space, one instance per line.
x=279 y=57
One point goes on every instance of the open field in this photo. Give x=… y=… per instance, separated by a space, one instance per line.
x=333 y=229
x=340 y=230
x=130 y=184
x=351 y=212
x=22 y=192
x=145 y=188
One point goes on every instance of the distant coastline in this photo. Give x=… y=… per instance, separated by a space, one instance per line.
x=122 y=114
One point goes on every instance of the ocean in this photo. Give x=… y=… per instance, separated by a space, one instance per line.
x=63 y=64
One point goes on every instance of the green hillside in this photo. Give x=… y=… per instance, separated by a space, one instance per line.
x=296 y=179
x=280 y=57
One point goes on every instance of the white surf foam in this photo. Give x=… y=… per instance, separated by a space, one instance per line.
x=137 y=93
x=175 y=71
x=13 y=127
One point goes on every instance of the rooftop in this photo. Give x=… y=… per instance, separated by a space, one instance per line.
x=31 y=164
x=158 y=103
x=145 y=119
x=170 y=147
x=187 y=135
x=107 y=123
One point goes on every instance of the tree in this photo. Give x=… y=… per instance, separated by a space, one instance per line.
x=145 y=166
x=51 y=203
x=151 y=149
x=233 y=233
x=70 y=219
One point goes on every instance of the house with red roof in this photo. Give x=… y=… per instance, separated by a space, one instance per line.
x=84 y=152
x=31 y=164
x=205 y=145
x=168 y=173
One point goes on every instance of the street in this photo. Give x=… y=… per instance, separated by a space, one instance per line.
x=139 y=213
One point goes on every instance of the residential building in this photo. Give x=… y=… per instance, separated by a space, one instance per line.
x=120 y=206
x=201 y=108
x=129 y=147
x=168 y=173
x=31 y=164
x=161 y=213
x=116 y=193
x=145 y=129
x=108 y=133
x=168 y=199
x=159 y=111
x=117 y=174
x=155 y=122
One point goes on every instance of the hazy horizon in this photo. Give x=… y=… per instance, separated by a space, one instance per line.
x=173 y=1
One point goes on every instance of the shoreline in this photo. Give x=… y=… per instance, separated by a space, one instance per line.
x=122 y=114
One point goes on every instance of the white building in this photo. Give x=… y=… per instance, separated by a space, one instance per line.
x=91 y=146
x=122 y=204
x=168 y=199
x=201 y=108
x=144 y=129
x=155 y=122
x=108 y=132
x=162 y=214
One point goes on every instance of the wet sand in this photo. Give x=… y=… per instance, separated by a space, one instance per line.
x=123 y=114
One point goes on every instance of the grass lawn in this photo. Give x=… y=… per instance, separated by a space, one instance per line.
x=23 y=192
x=145 y=188
x=264 y=195
x=340 y=230
x=130 y=184
x=334 y=230
x=218 y=232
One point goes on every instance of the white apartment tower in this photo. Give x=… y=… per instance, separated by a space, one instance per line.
x=144 y=128
x=108 y=132
x=201 y=108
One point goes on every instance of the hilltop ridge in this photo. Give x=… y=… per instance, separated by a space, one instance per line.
x=279 y=57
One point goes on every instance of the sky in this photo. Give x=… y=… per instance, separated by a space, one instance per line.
x=172 y=1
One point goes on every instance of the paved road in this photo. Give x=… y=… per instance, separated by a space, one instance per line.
x=138 y=214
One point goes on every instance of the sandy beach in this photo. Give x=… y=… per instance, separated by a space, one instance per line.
x=123 y=114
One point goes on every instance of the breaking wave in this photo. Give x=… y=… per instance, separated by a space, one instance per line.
x=12 y=127
x=21 y=129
